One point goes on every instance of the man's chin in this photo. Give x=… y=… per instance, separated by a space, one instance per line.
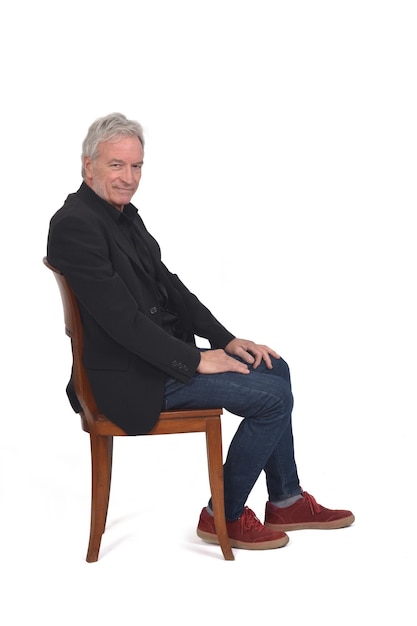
x=124 y=197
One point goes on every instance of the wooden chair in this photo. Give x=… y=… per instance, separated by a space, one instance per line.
x=102 y=431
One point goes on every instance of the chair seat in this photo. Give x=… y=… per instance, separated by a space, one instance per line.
x=190 y=420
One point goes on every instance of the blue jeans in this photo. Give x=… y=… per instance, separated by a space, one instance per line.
x=263 y=440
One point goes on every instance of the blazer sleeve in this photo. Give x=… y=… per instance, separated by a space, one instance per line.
x=200 y=319
x=79 y=246
x=204 y=324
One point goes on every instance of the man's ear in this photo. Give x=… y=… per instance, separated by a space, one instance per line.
x=88 y=167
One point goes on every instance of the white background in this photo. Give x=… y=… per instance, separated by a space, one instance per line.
x=280 y=181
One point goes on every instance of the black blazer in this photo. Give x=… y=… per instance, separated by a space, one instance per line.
x=127 y=353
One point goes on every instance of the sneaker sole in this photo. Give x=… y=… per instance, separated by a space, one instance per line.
x=234 y=543
x=338 y=523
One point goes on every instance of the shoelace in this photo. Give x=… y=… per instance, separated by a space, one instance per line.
x=314 y=507
x=249 y=520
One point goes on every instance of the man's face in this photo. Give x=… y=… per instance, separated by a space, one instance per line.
x=115 y=174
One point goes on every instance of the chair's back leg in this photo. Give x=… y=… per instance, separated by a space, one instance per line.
x=101 y=468
x=109 y=471
x=215 y=469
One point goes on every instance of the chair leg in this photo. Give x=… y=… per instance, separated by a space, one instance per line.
x=215 y=469
x=109 y=474
x=101 y=467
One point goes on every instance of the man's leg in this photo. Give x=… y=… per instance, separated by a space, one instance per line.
x=264 y=401
x=263 y=441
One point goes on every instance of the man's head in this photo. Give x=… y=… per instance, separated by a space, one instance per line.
x=112 y=158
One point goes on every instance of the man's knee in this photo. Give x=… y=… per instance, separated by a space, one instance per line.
x=281 y=368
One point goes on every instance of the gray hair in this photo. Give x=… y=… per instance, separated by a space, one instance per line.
x=108 y=128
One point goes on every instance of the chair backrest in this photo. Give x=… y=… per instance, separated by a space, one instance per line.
x=74 y=330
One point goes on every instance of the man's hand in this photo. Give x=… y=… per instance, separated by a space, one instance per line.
x=217 y=362
x=252 y=353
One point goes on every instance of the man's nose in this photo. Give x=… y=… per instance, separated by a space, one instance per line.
x=127 y=175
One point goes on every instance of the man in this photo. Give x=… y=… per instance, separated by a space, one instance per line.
x=140 y=324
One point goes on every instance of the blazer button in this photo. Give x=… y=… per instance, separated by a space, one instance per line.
x=153 y=310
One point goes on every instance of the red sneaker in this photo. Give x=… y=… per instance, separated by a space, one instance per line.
x=305 y=513
x=246 y=532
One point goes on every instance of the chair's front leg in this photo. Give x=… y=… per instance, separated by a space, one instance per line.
x=215 y=469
